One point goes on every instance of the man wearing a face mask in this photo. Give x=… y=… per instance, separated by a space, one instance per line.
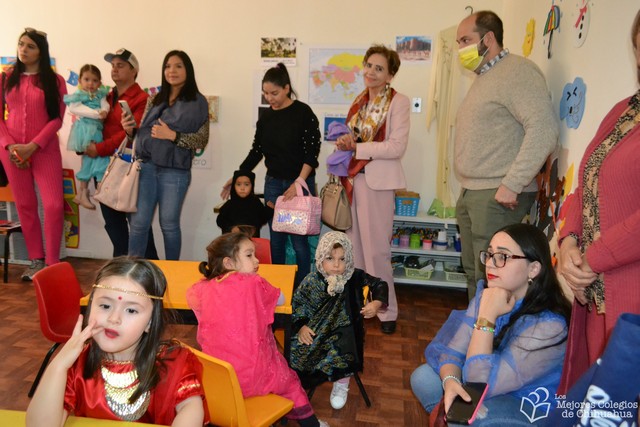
x=505 y=130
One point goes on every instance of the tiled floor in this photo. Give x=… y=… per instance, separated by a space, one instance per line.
x=389 y=360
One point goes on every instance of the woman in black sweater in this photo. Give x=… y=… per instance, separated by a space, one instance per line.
x=288 y=137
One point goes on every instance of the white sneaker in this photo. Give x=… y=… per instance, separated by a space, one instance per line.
x=339 y=395
x=323 y=423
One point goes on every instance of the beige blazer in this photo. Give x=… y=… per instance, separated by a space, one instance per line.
x=384 y=171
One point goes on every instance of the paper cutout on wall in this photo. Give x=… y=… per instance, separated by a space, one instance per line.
x=529 y=34
x=572 y=103
x=73 y=78
x=581 y=24
x=553 y=22
x=71 y=211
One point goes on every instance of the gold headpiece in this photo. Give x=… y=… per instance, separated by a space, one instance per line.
x=140 y=294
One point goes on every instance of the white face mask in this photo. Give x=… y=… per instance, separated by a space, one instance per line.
x=469 y=56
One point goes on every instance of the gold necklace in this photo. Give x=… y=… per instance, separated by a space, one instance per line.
x=119 y=387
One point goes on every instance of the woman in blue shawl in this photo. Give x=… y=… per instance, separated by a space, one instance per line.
x=165 y=174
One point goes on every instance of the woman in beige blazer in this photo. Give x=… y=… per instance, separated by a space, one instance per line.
x=379 y=123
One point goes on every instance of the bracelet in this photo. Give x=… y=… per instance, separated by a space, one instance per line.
x=484 y=328
x=450 y=377
x=481 y=321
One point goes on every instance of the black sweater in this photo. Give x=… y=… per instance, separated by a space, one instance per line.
x=287 y=138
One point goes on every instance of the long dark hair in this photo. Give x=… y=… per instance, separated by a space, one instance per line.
x=544 y=292
x=279 y=76
x=189 y=91
x=224 y=246
x=152 y=280
x=48 y=79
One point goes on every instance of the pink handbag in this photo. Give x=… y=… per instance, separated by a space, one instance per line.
x=300 y=215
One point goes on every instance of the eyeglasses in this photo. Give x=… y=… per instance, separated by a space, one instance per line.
x=499 y=259
x=33 y=30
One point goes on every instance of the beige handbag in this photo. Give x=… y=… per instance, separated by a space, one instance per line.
x=336 y=209
x=119 y=186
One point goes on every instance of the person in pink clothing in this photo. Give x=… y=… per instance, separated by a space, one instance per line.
x=599 y=255
x=235 y=309
x=379 y=123
x=30 y=153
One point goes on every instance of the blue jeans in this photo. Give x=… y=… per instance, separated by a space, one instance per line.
x=274 y=187
x=503 y=410
x=166 y=188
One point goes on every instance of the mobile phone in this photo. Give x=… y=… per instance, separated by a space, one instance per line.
x=464 y=413
x=125 y=107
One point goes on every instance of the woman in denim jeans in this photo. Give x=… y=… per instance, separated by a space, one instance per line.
x=288 y=137
x=165 y=174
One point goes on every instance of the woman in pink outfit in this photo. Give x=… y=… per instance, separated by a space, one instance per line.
x=379 y=123
x=235 y=309
x=33 y=94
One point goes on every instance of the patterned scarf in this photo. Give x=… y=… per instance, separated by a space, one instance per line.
x=325 y=246
x=368 y=122
x=590 y=203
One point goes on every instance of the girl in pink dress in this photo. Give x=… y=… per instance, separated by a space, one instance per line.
x=235 y=309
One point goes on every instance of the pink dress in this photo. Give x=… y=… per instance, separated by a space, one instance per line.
x=235 y=313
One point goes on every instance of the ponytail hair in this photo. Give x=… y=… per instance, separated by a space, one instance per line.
x=279 y=76
x=224 y=246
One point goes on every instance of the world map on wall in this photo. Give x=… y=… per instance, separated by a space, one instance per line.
x=335 y=75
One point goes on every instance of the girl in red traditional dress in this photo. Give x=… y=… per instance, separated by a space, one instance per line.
x=124 y=372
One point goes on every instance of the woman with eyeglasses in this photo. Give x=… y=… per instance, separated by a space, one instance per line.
x=379 y=122
x=512 y=336
x=33 y=94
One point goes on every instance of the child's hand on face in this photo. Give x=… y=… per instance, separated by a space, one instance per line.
x=305 y=335
x=72 y=349
x=371 y=309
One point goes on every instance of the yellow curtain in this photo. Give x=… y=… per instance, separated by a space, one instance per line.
x=446 y=90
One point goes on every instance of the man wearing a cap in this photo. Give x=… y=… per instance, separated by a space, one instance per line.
x=124 y=71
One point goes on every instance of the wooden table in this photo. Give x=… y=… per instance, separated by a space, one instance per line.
x=18 y=419
x=182 y=274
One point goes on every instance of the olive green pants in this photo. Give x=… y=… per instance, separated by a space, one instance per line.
x=479 y=216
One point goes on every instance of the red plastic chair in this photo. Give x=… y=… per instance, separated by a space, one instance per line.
x=58 y=293
x=263 y=249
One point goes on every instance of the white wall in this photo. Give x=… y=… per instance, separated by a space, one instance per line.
x=605 y=61
x=222 y=39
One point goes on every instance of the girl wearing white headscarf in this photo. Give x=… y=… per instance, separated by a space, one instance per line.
x=328 y=312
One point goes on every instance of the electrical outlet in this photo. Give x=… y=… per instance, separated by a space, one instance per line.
x=416 y=105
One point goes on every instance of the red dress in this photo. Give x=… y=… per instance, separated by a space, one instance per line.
x=234 y=324
x=180 y=379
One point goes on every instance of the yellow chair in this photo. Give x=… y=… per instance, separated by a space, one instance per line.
x=227 y=407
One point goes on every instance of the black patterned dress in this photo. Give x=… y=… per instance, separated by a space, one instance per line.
x=337 y=349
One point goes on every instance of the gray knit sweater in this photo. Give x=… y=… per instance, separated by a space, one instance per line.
x=505 y=127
